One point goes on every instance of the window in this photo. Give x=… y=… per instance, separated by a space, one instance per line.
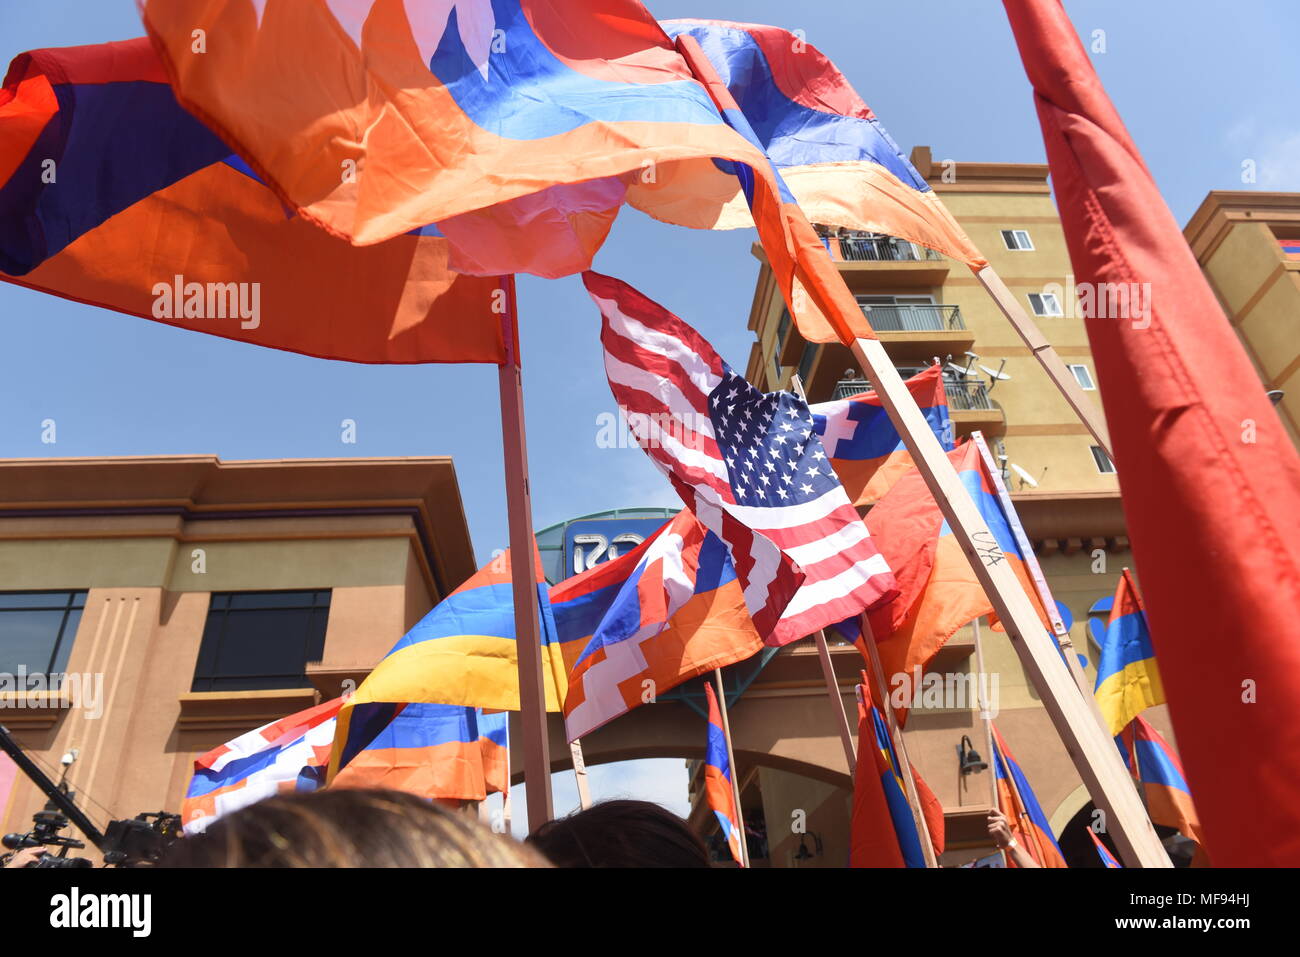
x=258 y=640
x=1083 y=377
x=806 y=362
x=1017 y=240
x=1104 y=465
x=1045 y=304
x=776 y=369
x=36 y=632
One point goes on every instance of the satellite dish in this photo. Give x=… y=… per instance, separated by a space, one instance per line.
x=998 y=374
x=960 y=370
x=1025 y=476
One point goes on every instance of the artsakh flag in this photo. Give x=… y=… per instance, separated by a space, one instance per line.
x=865 y=448
x=717 y=777
x=1210 y=478
x=113 y=195
x=667 y=611
x=838 y=162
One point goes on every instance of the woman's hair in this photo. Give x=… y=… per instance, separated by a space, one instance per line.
x=348 y=828
x=620 y=834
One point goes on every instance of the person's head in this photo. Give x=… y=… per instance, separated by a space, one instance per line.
x=348 y=828
x=620 y=834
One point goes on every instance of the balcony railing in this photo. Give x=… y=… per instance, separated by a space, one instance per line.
x=883 y=249
x=913 y=318
x=964 y=395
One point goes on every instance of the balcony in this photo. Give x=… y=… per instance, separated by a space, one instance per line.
x=969 y=405
x=914 y=318
x=874 y=248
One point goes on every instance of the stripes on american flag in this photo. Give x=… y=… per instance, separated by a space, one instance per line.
x=747 y=463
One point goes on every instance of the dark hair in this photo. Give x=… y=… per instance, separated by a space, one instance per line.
x=620 y=834
x=348 y=828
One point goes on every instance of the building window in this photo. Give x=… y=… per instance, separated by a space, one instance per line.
x=776 y=369
x=259 y=640
x=36 y=633
x=806 y=362
x=1083 y=377
x=1104 y=465
x=1017 y=240
x=1045 y=304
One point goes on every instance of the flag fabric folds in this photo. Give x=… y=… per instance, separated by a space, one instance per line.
x=1018 y=802
x=461 y=653
x=285 y=755
x=437 y=751
x=646 y=621
x=746 y=463
x=113 y=195
x=1159 y=773
x=883 y=829
x=1210 y=478
x=1107 y=858
x=866 y=450
x=839 y=163
x=1128 y=681
x=717 y=778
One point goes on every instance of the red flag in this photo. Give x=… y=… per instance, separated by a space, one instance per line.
x=1210 y=480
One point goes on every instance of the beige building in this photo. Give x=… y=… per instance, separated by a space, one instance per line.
x=924 y=306
x=185 y=600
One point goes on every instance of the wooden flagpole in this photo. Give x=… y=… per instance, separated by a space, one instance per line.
x=524 y=574
x=1036 y=573
x=1046 y=355
x=986 y=717
x=1094 y=754
x=828 y=666
x=580 y=773
x=731 y=763
x=900 y=747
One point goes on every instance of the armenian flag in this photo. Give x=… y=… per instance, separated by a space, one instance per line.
x=1016 y=799
x=1160 y=775
x=285 y=755
x=883 y=829
x=434 y=750
x=717 y=778
x=838 y=162
x=1107 y=858
x=666 y=611
x=113 y=195
x=865 y=448
x=1128 y=681
x=1290 y=248
x=462 y=652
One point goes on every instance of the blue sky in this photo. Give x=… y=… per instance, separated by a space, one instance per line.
x=1201 y=86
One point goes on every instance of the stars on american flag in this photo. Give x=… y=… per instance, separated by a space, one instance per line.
x=770 y=434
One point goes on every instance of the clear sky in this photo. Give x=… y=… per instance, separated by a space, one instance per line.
x=1203 y=86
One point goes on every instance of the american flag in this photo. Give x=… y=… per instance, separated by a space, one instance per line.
x=748 y=463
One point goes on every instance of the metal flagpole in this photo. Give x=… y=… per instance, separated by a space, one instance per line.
x=1095 y=755
x=900 y=747
x=731 y=763
x=828 y=666
x=580 y=773
x=524 y=573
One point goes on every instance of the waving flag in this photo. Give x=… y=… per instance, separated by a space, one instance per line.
x=717 y=777
x=1290 y=248
x=1160 y=775
x=113 y=195
x=667 y=611
x=494 y=744
x=462 y=653
x=285 y=755
x=866 y=450
x=1018 y=802
x=883 y=828
x=747 y=463
x=839 y=163
x=433 y=750
x=1128 y=681
x=1211 y=515
x=1107 y=858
